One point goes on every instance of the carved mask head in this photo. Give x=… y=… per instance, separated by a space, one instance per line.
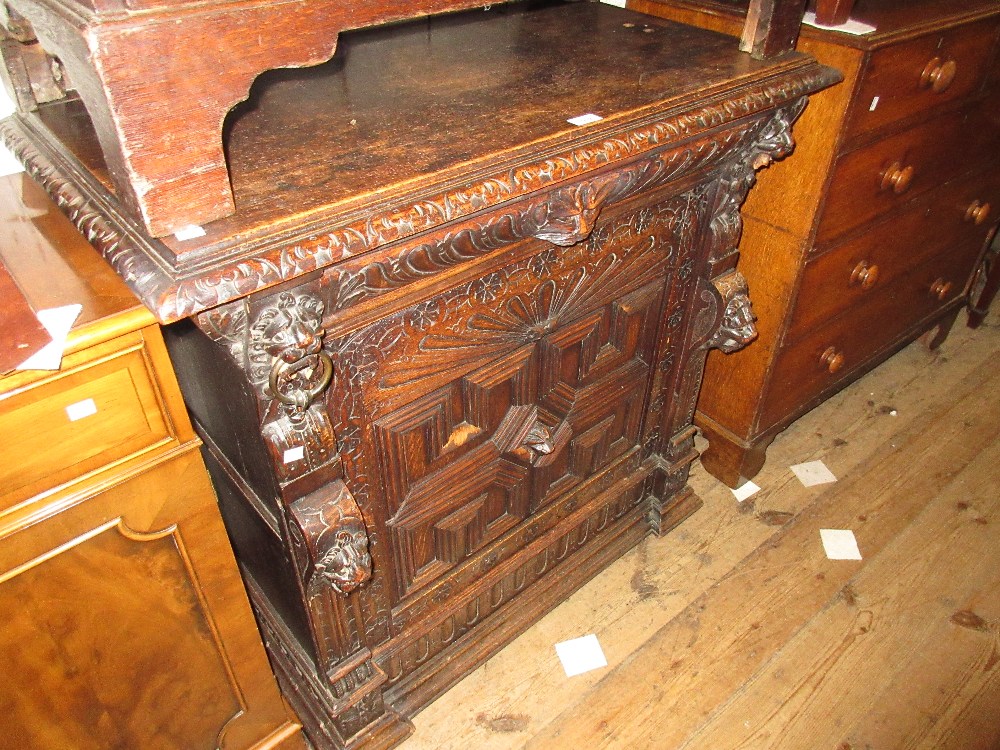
x=737 y=329
x=292 y=329
x=346 y=565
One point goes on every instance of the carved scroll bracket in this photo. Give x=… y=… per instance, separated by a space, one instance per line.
x=332 y=541
x=774 y=141
x=736 y=327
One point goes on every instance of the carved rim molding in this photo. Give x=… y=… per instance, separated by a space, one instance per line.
x=175 y=288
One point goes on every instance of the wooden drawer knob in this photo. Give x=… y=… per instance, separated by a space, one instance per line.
x=864 y=274
x=938 y=75
x=831 y=359
x=897 y=177
x=977 y=212
x=941 y=289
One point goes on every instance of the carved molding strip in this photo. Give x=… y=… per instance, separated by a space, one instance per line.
x=422 y=647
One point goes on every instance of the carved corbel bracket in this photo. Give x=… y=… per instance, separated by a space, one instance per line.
x=735 y=328
x=332 y=541
x=773 y=141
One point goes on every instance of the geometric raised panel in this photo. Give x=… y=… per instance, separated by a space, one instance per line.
x=473 y=458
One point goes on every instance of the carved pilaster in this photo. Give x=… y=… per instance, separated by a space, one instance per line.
x=279 y=345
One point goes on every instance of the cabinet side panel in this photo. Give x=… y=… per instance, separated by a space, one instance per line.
x=220 y=400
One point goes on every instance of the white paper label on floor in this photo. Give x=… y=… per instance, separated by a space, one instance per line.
x=840 y=544
x=190 y=232
x=81 y=409
x=295 y=454
x=812 y=473
x=745 y=490
x=584 y=119
x=616 y=3
x=581 y=655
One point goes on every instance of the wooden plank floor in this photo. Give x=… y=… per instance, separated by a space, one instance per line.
x=736 y=631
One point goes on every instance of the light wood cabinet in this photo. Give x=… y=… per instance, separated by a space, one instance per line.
x=125 y=620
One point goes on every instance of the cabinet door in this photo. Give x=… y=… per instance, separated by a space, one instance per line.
x=126 y=625
x=469 y=413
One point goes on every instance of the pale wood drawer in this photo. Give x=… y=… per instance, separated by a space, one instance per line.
x=102 y=407
x=809 y=368
x=943 y=222
x=916 y=76
x=879 y=178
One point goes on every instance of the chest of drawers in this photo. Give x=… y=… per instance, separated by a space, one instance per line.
x=125 y=620
x=445 y=354
x=872 y=238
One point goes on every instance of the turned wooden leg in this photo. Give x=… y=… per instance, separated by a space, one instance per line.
x=731 y=460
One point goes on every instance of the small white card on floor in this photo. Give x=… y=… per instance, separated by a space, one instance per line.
x=745 y=490
x=840 y=544
x=813 y=473
x=581 y=655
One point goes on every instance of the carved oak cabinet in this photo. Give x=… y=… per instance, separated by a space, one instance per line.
x=445 y=355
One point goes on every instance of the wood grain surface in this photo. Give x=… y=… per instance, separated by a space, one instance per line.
x=737 y=632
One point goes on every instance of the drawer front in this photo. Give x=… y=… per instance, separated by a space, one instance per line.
x=911 y=78
x=959 y=215
x=879 y=178
x=819 y=361
x=86 y=417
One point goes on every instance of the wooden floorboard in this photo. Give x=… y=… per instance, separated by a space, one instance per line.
x=736 y=631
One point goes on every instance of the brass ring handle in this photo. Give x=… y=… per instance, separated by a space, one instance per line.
x=941 y=289
x=938 y=75
x=831 y=359
x=897 y=177
x=864 y=274
x=301 y=398
x=977 y=212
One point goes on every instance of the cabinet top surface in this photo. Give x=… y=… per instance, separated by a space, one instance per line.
x=431 y=110
x=55 y=266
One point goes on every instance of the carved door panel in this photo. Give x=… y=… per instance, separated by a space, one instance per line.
x=477 y=407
